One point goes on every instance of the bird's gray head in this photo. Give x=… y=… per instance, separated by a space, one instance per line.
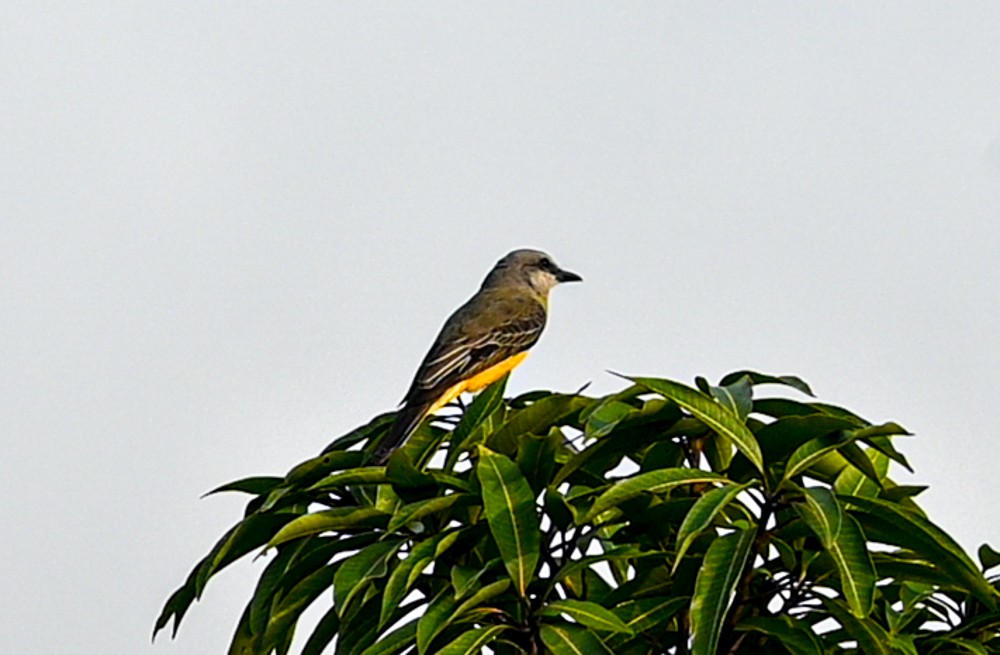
x=531 y=268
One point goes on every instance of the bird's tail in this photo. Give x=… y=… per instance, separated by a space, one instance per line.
x=406 y=423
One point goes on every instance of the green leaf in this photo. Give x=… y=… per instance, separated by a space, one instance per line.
x=737 y=396
x=781 y=437
x=651 y=613
x=355 y=572
x=536 y=457
x=762 y=378
x=323 y=634
x=701 y=515
x=536 y=418
x=628 y=440
x=405 y=573
x=843 y=540
x=871 y=637
x=256 y=485
x=603 y=419
x=511 y=514
x=395 y=642
x=798 y=640
x=567 y=639
x=653 y=482
x=708 y=411
x=852 y=482
x=896 y=525
x=988 y=557
x=359 y=627
x=489 y=592
x=417 y=511
x=292 y=604
x=361 y=475
x=714 y=588
x=316 y=468
x=327 y=520
x=974 y=647
x=473 y=641
x=370 y=431
x=483 y=405
x=445 y=609
x=811 y=452
x=588 y=614
x=860 y=460
x=478 y=416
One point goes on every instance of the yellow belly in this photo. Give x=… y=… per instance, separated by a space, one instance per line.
x=478 y=381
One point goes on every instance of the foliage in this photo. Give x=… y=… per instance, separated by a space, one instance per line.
x=659 y=519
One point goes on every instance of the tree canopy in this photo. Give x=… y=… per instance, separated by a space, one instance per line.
x=663 y=518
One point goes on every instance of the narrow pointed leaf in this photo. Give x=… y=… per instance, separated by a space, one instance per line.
x=472 y=642
x=361 y=475
x=327 y=520
x=657 y=481
x=901 y=527
x=588 y=614
x=255 y=485
x=701 y=515
x=737 y=396
x=564 y=638
x=798 y=640
x=811 y=452
x=871 y=637
x=356 y=571
x=536 y=418
x=762 y=378
x=323 y=634
x=845 y=543
x=711 y=413
x=988 y=557
x=714 y=588
x=510 y=512
x=395 y=642
x=288 y=611
x=650 y=613
x=413 y=512
x=405 y=573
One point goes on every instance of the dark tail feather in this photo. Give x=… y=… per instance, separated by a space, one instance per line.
x=406 y=422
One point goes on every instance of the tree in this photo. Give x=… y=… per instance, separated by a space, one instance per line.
x=660 y=519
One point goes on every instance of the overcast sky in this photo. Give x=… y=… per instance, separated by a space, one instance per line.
x=230 y=231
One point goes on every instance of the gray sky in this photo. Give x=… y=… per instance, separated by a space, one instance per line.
x=229 y=232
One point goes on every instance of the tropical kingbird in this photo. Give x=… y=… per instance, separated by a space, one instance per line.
x=484 y=339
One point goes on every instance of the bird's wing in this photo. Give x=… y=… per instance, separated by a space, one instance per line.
x=478 y=336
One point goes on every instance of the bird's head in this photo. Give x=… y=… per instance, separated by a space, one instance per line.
x=532 y=268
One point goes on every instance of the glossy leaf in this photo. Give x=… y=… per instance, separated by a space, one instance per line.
x=871 y=637
x=702 y=514
x=653 y=482
x=795 y=638
x=472 y=642
x=417 y=511
x=588 y=614
x=357 y=570
x=510 y=512
x=567 y=639
x=711 y=413
x=404 y=574
x=908 y=529
x=714 y=588
x=843 y=540
x=792 y=381
x=329 y=520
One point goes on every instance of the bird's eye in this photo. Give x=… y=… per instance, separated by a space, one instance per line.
x=544 y=264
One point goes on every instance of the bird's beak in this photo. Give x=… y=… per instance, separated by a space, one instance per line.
x=567 y=276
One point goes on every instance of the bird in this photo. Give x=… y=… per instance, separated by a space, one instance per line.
x=481 y=341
